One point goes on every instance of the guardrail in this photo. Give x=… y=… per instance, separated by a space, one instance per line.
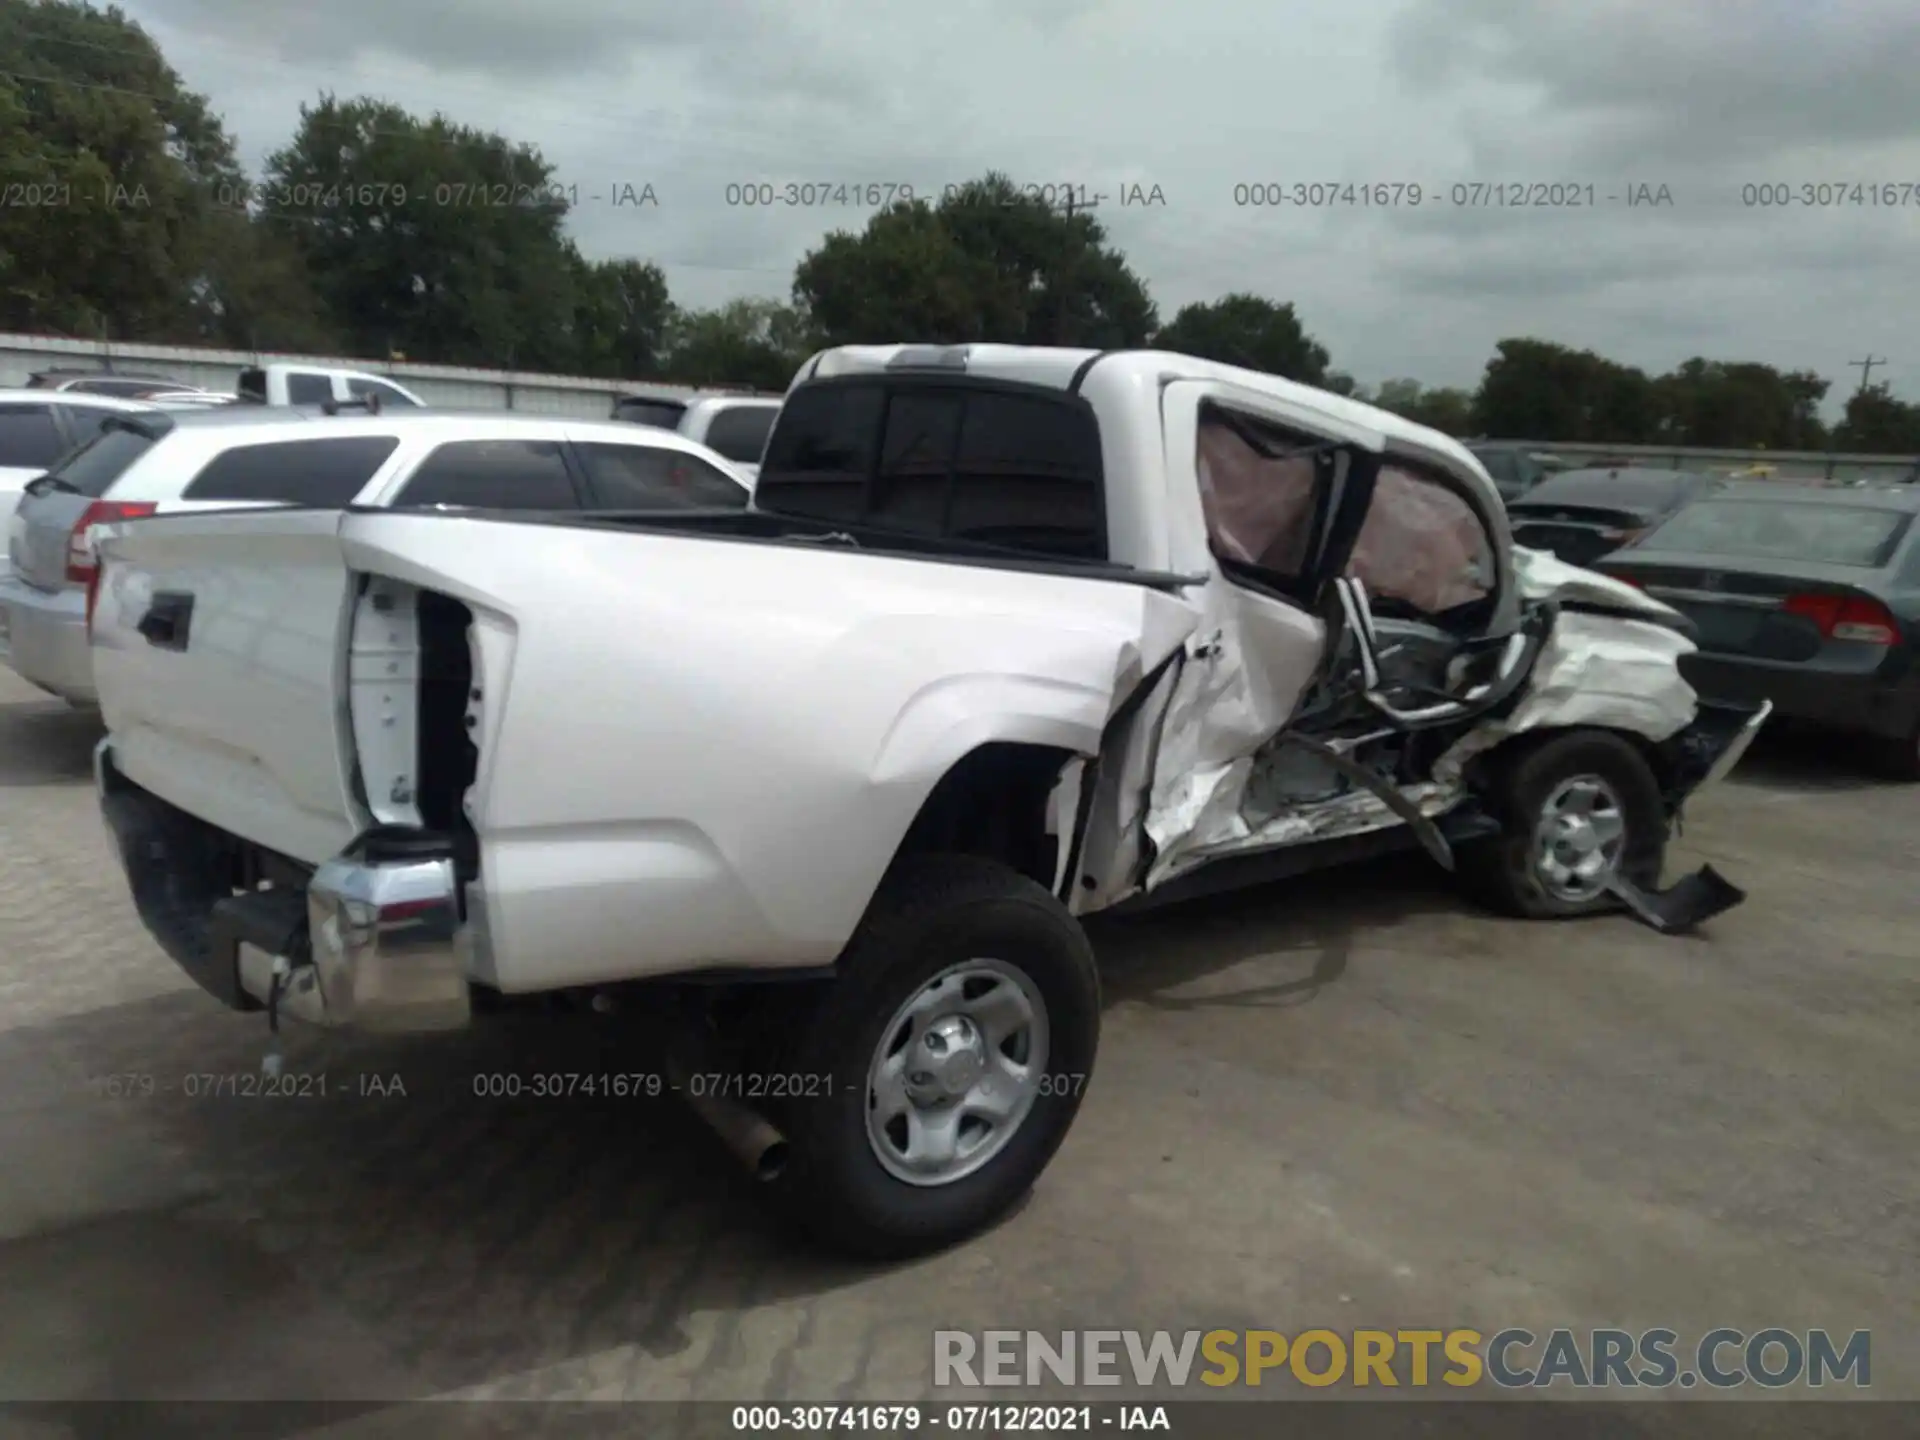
x=1829 y=467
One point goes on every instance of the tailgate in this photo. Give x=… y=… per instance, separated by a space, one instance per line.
x=219 y=655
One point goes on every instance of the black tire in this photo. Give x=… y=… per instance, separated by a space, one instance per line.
x=931 y=912
x=1500 y=872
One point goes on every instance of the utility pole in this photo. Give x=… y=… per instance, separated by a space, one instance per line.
x=1071 y=206
x=1866 y=369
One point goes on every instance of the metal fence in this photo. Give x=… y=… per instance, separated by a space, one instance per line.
x=1826 y=467
x=451 y=385
x=579 y=396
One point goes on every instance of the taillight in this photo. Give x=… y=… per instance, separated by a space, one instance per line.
x=1847 y=617
x=80 y=566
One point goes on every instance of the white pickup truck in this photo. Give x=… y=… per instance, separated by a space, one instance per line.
x=1010 y=636
x=288 y=384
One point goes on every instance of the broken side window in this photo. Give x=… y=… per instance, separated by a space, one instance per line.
x=1259 y=507
x=1422 y=546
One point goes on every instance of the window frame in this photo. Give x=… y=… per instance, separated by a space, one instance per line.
x=62 y=434
x=186 y=494
x=594 y=501
x=722 y=412
x=1086 y=421
x=359 y=385
x=294 y=377
x=1472 y=614
x=1330 y=495
x=575 y=469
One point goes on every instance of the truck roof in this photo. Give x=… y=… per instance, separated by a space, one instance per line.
x=1064 y=369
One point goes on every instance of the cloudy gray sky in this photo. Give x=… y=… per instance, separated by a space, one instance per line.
x=1703 y=97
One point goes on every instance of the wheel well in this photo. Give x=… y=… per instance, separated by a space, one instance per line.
x=993 y=803
x=1482 y=769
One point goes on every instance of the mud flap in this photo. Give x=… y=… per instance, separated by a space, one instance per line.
x=1689 y=902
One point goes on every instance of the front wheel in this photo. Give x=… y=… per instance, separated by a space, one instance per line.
x=1576 y=810
x=951 y=1055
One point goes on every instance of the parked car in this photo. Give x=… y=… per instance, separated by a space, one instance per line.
x=321 y=385
x=159 y=462
x=1582 y=515
x=1806 y=596
x=735 y=425
x=38 y=426
x=123 y=384
x=1515 y=469
x=1010 y=636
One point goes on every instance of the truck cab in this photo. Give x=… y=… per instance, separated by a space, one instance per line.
x=320 y=385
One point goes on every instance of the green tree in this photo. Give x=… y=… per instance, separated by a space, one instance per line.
x=1740 y=405
x=756 y=343
x=986 y=264
x=1878 y=423
x=1447 y=410
x=121 y=170
x=428 y=238
x=1537 y=390
x=254 y=293
x=1248 y=331
x=621 y=319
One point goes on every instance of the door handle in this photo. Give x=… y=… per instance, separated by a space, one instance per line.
x=168 y=617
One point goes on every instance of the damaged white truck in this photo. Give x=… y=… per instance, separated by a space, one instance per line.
x=1009 y=637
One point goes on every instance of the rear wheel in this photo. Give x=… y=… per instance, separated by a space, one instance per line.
x=1576 y=810
x=945 y=1064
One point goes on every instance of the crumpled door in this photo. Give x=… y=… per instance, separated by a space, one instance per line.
x=1174 y=792
x=1352 y=604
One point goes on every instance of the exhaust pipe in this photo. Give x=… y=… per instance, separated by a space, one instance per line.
x=747 y=1133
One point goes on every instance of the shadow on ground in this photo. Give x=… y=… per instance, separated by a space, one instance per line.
x=467 y=1234
x=46 y=742
x=1806 y=762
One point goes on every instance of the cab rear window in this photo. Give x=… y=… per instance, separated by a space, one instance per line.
x=989 y=465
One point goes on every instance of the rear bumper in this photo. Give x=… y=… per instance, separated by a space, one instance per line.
x=1867 y=701
x=43 y=638
x=373 y=941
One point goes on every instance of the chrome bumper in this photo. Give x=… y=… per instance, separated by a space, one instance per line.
x=386 y=951
x=373 y=942
x=1736 y=748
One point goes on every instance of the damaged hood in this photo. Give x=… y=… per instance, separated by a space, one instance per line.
x=1601 y=667
x=1544 y=576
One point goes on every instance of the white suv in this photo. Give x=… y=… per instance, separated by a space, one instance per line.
x=736 y=426
x=40 y=424
x=148 y=461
